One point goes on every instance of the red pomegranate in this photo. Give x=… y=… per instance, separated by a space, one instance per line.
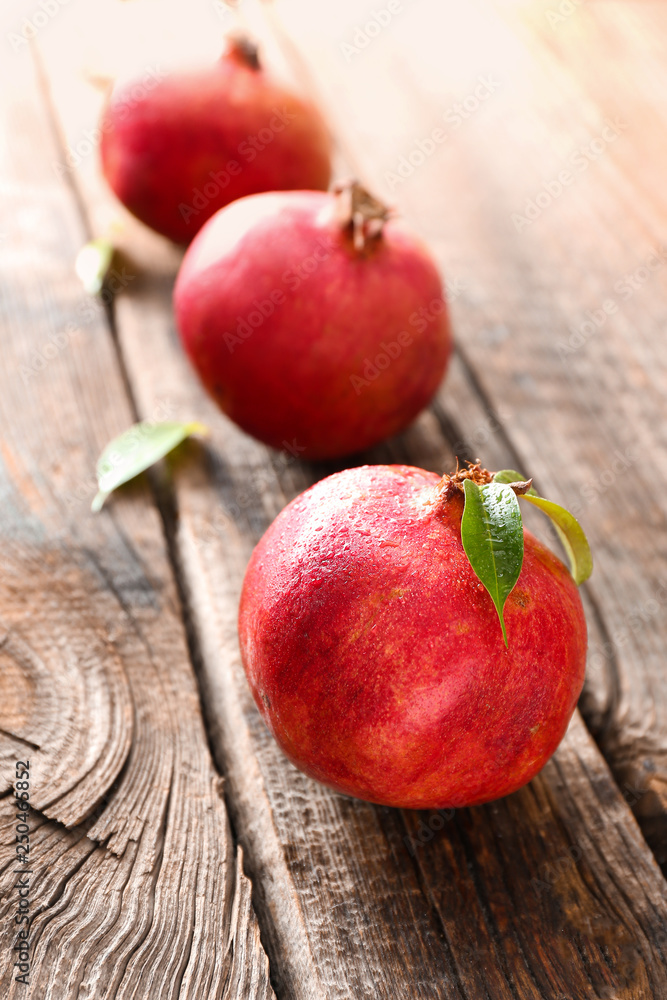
x=176 y=149
x=376 y=657
x=317 y=323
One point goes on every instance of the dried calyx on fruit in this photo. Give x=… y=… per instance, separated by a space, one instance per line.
x=360 y=214
x=245 y=50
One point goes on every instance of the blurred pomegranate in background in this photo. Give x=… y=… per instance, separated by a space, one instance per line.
x=178 y=151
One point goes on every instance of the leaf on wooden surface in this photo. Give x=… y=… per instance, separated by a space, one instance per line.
x=135 y=450
x=492 y=536
x=92 y=264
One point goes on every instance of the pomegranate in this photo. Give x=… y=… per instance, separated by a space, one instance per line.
x=177 y=148
x=316 y=322
x=374 y=651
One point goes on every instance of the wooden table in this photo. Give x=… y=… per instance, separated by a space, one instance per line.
x=174 y=851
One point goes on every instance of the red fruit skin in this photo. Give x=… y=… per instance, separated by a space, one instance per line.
x=375 y=655
x=298 y=377
x=159 y=148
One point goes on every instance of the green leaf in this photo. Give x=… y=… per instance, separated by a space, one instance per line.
x=511 y=476
x=136 y=450
x=571 y=535
x=492 y=536
x=92 y=264
x=568 y=528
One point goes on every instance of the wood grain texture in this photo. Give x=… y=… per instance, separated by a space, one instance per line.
x=551 y=893
x=136 y=887
x=362 y=901
x=544 y=204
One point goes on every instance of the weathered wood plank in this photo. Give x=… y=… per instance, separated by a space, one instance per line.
x=313 y=853
x=551 y=893
x=563 y=305
x=630 y=90
x=136 y=887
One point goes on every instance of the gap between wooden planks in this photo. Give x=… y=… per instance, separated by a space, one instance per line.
x=550 y=893
x=136 y=888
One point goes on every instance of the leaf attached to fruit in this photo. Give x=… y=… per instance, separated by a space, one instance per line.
x=569 y=530
x=492 y=531
x=510 y=476
x=492 y=536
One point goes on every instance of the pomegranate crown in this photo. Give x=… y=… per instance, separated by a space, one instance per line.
x=492 y=528
x=243 y=50
x=361 y=214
